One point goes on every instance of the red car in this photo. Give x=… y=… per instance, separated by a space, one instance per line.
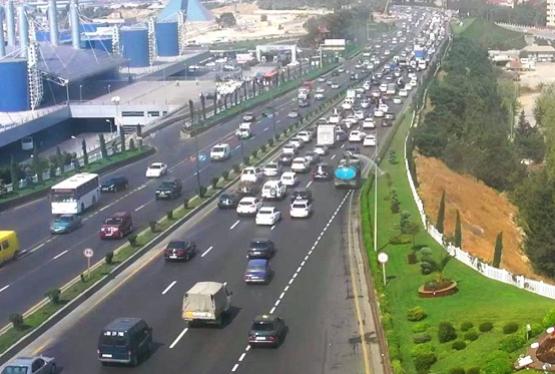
x=116 y=226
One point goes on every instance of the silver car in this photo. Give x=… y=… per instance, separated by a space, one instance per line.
x=31 y=365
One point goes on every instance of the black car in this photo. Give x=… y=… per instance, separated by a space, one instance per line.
x=228 y=201
x=285 y=160
x=301 y=194
x=249 y=117
x=341 y=136
x=312 y=157
x=114 y=184
x=335 y=73
x=353 y=77
x=169 y=189
x=267 y=330
x=261 y=248
x=180 y=250
x=322 y=172
x=353 y=149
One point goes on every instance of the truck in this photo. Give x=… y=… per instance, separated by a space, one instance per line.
x=351 y=94
x=325 y=135
x=347 y=173
x=206 y=303
x=244 y=131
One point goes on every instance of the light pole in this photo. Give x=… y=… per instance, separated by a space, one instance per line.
x=109 y=88
x=271 y=111
x=116 y=100
x=197 y=163
x=81 y=92
x=376 y=196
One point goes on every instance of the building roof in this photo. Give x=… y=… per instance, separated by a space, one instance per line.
x=539 y=48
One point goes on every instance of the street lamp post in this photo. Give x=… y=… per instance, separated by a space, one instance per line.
x=116 y=100
x=197 y=155
x=376 y=197
x=271 y=111
x=109 y=88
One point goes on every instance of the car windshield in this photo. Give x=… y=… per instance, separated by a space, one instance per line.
x=263 y=326
x=15 y=370
x=167 y=184
x=266 y=211
x=156 y=166
x=113 y=221
x=256 y=265
x=246 y=203
x=63 y=219
x=218 y=149
x=299 y=205
x=177 y=244
x=260 y=244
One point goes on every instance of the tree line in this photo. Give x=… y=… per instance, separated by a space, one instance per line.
x=528 y=13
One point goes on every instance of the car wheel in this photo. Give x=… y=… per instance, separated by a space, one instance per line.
x=188 y=257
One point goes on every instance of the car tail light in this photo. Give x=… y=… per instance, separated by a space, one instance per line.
x=272 y=338
x=129 y=353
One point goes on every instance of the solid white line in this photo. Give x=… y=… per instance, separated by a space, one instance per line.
x=4 y=288
x=272 y=310
x=332 y=157
x=242 y=357
x=206 y=252
x=235 y=368
x=60 y=254
x=237 y=147
x=179 y=338
x=169 y=287
x=308 y=184
x=234 y=225
x=141 y=207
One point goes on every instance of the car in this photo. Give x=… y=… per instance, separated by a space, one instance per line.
x=31 y=365
x=248 y=206
x=300 y=209
x=322 y=172
x=289 y=149
x=156 y=170
x=383 y=87
x=390 y=116
x=368 y=123
x=341 y=70
x=413 y=83
x=397 y=100
x=169 y=189
x=228 y=201
x=65 y=223
x=267 y=330
x=220 y=152
x=300 y=165
x=383 y=107
x=296 y=142
x=303 y=103
x=321 y=150
x=114 y=184
x=329 y=82
x=387 y=123
x=249 y=117
x=312 y=157
x=251 y=174
x=289 y=178
x=335 y=86
x=180 y=250
x=125 y=340
x=369 y=140
x=261 y=248
x=356 y=136
x=365 y=104
x=301 y=194
x=359 y=114
x=258 y=271
x=293 y=114
x=341 y=136
x=267 y=216
x=319 y=96
x=274 y=190
x=305 y=136
x=320 y=90
x=285 y=159
x=403 y=93
x=321 y=79
x=378 y=113
x=116 y=226
x=271 y=169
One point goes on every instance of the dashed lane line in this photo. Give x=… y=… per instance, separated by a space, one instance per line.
x=60 y=254
x=234 y=225
x=169 y=287
x=207 y=251
x=4 y=288
x=179 y=337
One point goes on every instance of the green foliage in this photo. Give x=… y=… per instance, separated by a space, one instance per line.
x=446 y=332
x=404 y=222
x=85 y=153
x=397 y=367
x=53 y=295
x=395 y=204
x=421 y=338
x=420 y=327
x=14 y=174
x=498 y=251
x=510 y=328
x=457 y=371
x=490 y=36
x=122 y=140
x=549 y=319
x=423 y=357
x=498 y=362
x=102 y=142
x=471 y=336
x=473 y=371
x=466 y=325
x=225 y=175
x=153 y=226
x=132 y=144
x=202 y=191
x=236 y=168
x=132 y=239
x=416 y=314
x=457 y=241
x=215 y=182
x=440 y=222
x=512 y=343
x=485 y=326
x=16 y=320
x=459 y=345
x=169 y=214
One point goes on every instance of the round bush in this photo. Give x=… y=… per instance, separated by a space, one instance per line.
x=473 y=371
x=485 y=326
x=510 y=328
x=416 y=314
x=549 y=319
x=446 y=332
x=471 y=336
x=466 y=325
x=459 y=345
x=421 y=338
x=420 y=327
x=423 y=361
x=425 y=252
x=512 y=343
x=535 y=329
x=397 y=367
x=457 y=371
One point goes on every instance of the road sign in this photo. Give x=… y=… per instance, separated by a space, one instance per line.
x=382 y=259
x=88 y=252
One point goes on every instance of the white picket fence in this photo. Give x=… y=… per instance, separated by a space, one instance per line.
x=501 y=275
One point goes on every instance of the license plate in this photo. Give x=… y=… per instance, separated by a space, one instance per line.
x=173 y=256
x=260 y=338
x=107 y=355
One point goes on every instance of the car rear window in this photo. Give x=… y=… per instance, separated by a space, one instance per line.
x=177 y=244
x=15 y=370
x=113 y=220
x=263 y=326
x=118 y=341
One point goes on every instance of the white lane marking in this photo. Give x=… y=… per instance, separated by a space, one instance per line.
x=179 y=338
x=237 y=147
x=141 y=206
x=38 y=247
x=332 y=157
x=278 y=121
x=343 y=145
x=308 y=184
x=282 y=295
x=273 y=227
x=242 y=357
x=286 y=288
x=4 y=288
x=266 y=129
x=234 y=225
x=235 y=368
x=169 y=287
x=248 y=348
x=207 y=251
x=60 y=254
x=272 y=310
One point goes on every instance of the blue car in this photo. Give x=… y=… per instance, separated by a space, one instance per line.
x=258 y=271
x=65 y=223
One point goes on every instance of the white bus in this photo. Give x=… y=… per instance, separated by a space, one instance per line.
x=75 y=194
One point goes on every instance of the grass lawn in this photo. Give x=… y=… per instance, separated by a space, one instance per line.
x=478 y=300
x=491 y=36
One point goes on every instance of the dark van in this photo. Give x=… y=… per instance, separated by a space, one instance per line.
x=125 y=340
x=116 y=226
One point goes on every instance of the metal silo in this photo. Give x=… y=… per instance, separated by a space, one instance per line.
x=166 y=39
x=14 y=95
x=134 y=46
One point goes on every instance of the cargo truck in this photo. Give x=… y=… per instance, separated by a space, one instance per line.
x=325 y=135
x=206 y=303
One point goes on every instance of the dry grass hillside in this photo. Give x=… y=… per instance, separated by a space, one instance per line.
x=484 y=213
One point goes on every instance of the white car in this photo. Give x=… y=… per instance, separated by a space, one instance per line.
x=369 y=140
x=289 y=149
x=293 y=114
x=378 y=113
x=220 y=152
x=364 y=104
x=319 y=96
x=251 y=174
x=248 y=205
x=271 y=169
x=368 y=123
x=300 y=165
x=356 y=136
x=383 y=87
x=156 y=170
x=334 y=119
x=403 y=93
x=321 y=150
x=274 y=189
x=296 y=142
x=289 y=178
x=359 y=114
x=300 y=209
x=397 y=100
x=305 y=136
x=335 y=86
x=383 y=107
x=413 y=83
x=320 y=90
x=267 y=216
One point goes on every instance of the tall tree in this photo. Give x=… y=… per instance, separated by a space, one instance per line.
x=203 y=106
x=14 y=174
x=498 y=251
x=102 y=142
x=61 y=160
x=458 y=231
x=192 y=112
x=215 y=102
x=122 y=139
x=38 y=165
x=440 y=222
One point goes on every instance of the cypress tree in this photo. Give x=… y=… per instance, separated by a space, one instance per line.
x=498 y=250
x=203 y=106
x=85 y=153
x=61 y=160
x=14 y=174
x=103 y=150
x=37 y=165
x=441 y=214
x=122 y=139
x=192 y=111
x=458 y=231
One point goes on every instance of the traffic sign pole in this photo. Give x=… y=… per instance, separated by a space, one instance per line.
x=88 y=253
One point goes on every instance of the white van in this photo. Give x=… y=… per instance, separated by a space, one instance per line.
x=244 y=131
x=220 y=152
x=274 y=189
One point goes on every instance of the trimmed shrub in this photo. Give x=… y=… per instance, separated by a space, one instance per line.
x=423 y=357
x=169 y=214
x=132 y=239
x=485 y=326
x=387 y=321
x=421 y=338
x=152 y=225
x=535 y=329
x=510 y=328
x=236 y=168
x=225 y=174
x=457 y=371
x=425 y=252
x=109 y=257
x=412 y=258
x=473 y=371
x=459 y=345
x=202 y=191
x=426 y=268
x=397 y=367
x=271 y=142
x=446 y=332
x=215 y=182
x=512 y=343
x=416 y=314
x=247 y=160
x=498 y=366
x=53 y=295
x=16 y=320
x=549 y=319
x=466 y=325
x=420 y=327
x=471 y=336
